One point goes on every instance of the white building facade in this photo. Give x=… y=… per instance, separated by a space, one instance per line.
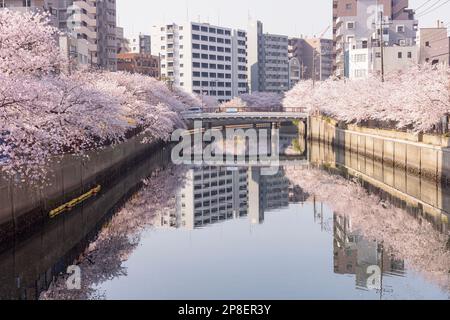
x=363 y=62
x=202 y=58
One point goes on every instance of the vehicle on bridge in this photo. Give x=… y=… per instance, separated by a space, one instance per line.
x=232 y=110
x=191 y=111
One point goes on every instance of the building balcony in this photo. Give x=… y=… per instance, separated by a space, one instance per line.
x=90 y=8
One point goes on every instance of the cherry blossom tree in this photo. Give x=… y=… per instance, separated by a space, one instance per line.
x=45 y=112
x=28 y=43
x=267 y=101
x=415 y=99
x=235 y=103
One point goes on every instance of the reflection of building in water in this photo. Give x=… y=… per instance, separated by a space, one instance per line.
x=354 y=254
x=216 y=194
x=266 y=193
x=212 y=194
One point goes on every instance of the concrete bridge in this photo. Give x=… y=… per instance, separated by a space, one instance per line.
x=241 y=118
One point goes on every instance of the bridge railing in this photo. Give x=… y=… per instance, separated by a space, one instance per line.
x=256 y=109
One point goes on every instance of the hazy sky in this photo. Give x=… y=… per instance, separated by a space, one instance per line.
x=289 y=17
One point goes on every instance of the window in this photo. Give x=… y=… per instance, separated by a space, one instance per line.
x=348 y=6
x=401 y=29
x=360 y=73
x=360 y=58
x=400 y=55
x=409 y=55
x=427 y=44
x=350 y=25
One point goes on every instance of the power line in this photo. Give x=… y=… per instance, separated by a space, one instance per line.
x=432 y=5
x=422 y=5
x=429 y=11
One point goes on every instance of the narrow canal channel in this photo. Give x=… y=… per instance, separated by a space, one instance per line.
x=321 y=227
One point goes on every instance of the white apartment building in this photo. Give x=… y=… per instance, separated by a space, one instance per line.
x=202 y=58
x=363 y=62
x=362 y=28
x=268 y=61
x=87 y=25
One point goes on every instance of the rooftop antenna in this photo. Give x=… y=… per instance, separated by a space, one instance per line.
x=218 y=17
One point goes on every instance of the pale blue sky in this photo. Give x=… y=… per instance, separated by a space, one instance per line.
x=290 y=17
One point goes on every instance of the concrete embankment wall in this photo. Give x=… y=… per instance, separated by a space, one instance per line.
x=424 y=155
x=24 y=206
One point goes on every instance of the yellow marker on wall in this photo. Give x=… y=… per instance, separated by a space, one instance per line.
x=73 y=203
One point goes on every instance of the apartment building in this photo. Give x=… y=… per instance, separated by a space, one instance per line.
x=363 y=62
x=268 y=62
x=363 y=24
x=106 y=33
x=315 y=56
x=89 y=27
x=141 y=43
x=141 y=63
x=123 y=44
x=211 y=195
x=294 y=72
x=202 y=58
x=434 y=45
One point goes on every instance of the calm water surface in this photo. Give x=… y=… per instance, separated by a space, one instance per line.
x=233 y=233
x=286 y=250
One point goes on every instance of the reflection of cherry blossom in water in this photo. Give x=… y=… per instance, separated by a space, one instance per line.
x=414 y=241
x=102 y=260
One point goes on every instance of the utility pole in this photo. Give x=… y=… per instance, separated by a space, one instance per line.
x=314 y=68
x=382 y=45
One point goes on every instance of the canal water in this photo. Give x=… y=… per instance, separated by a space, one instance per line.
x=317 y=228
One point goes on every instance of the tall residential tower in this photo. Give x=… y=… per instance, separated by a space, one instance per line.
x=202 y=58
